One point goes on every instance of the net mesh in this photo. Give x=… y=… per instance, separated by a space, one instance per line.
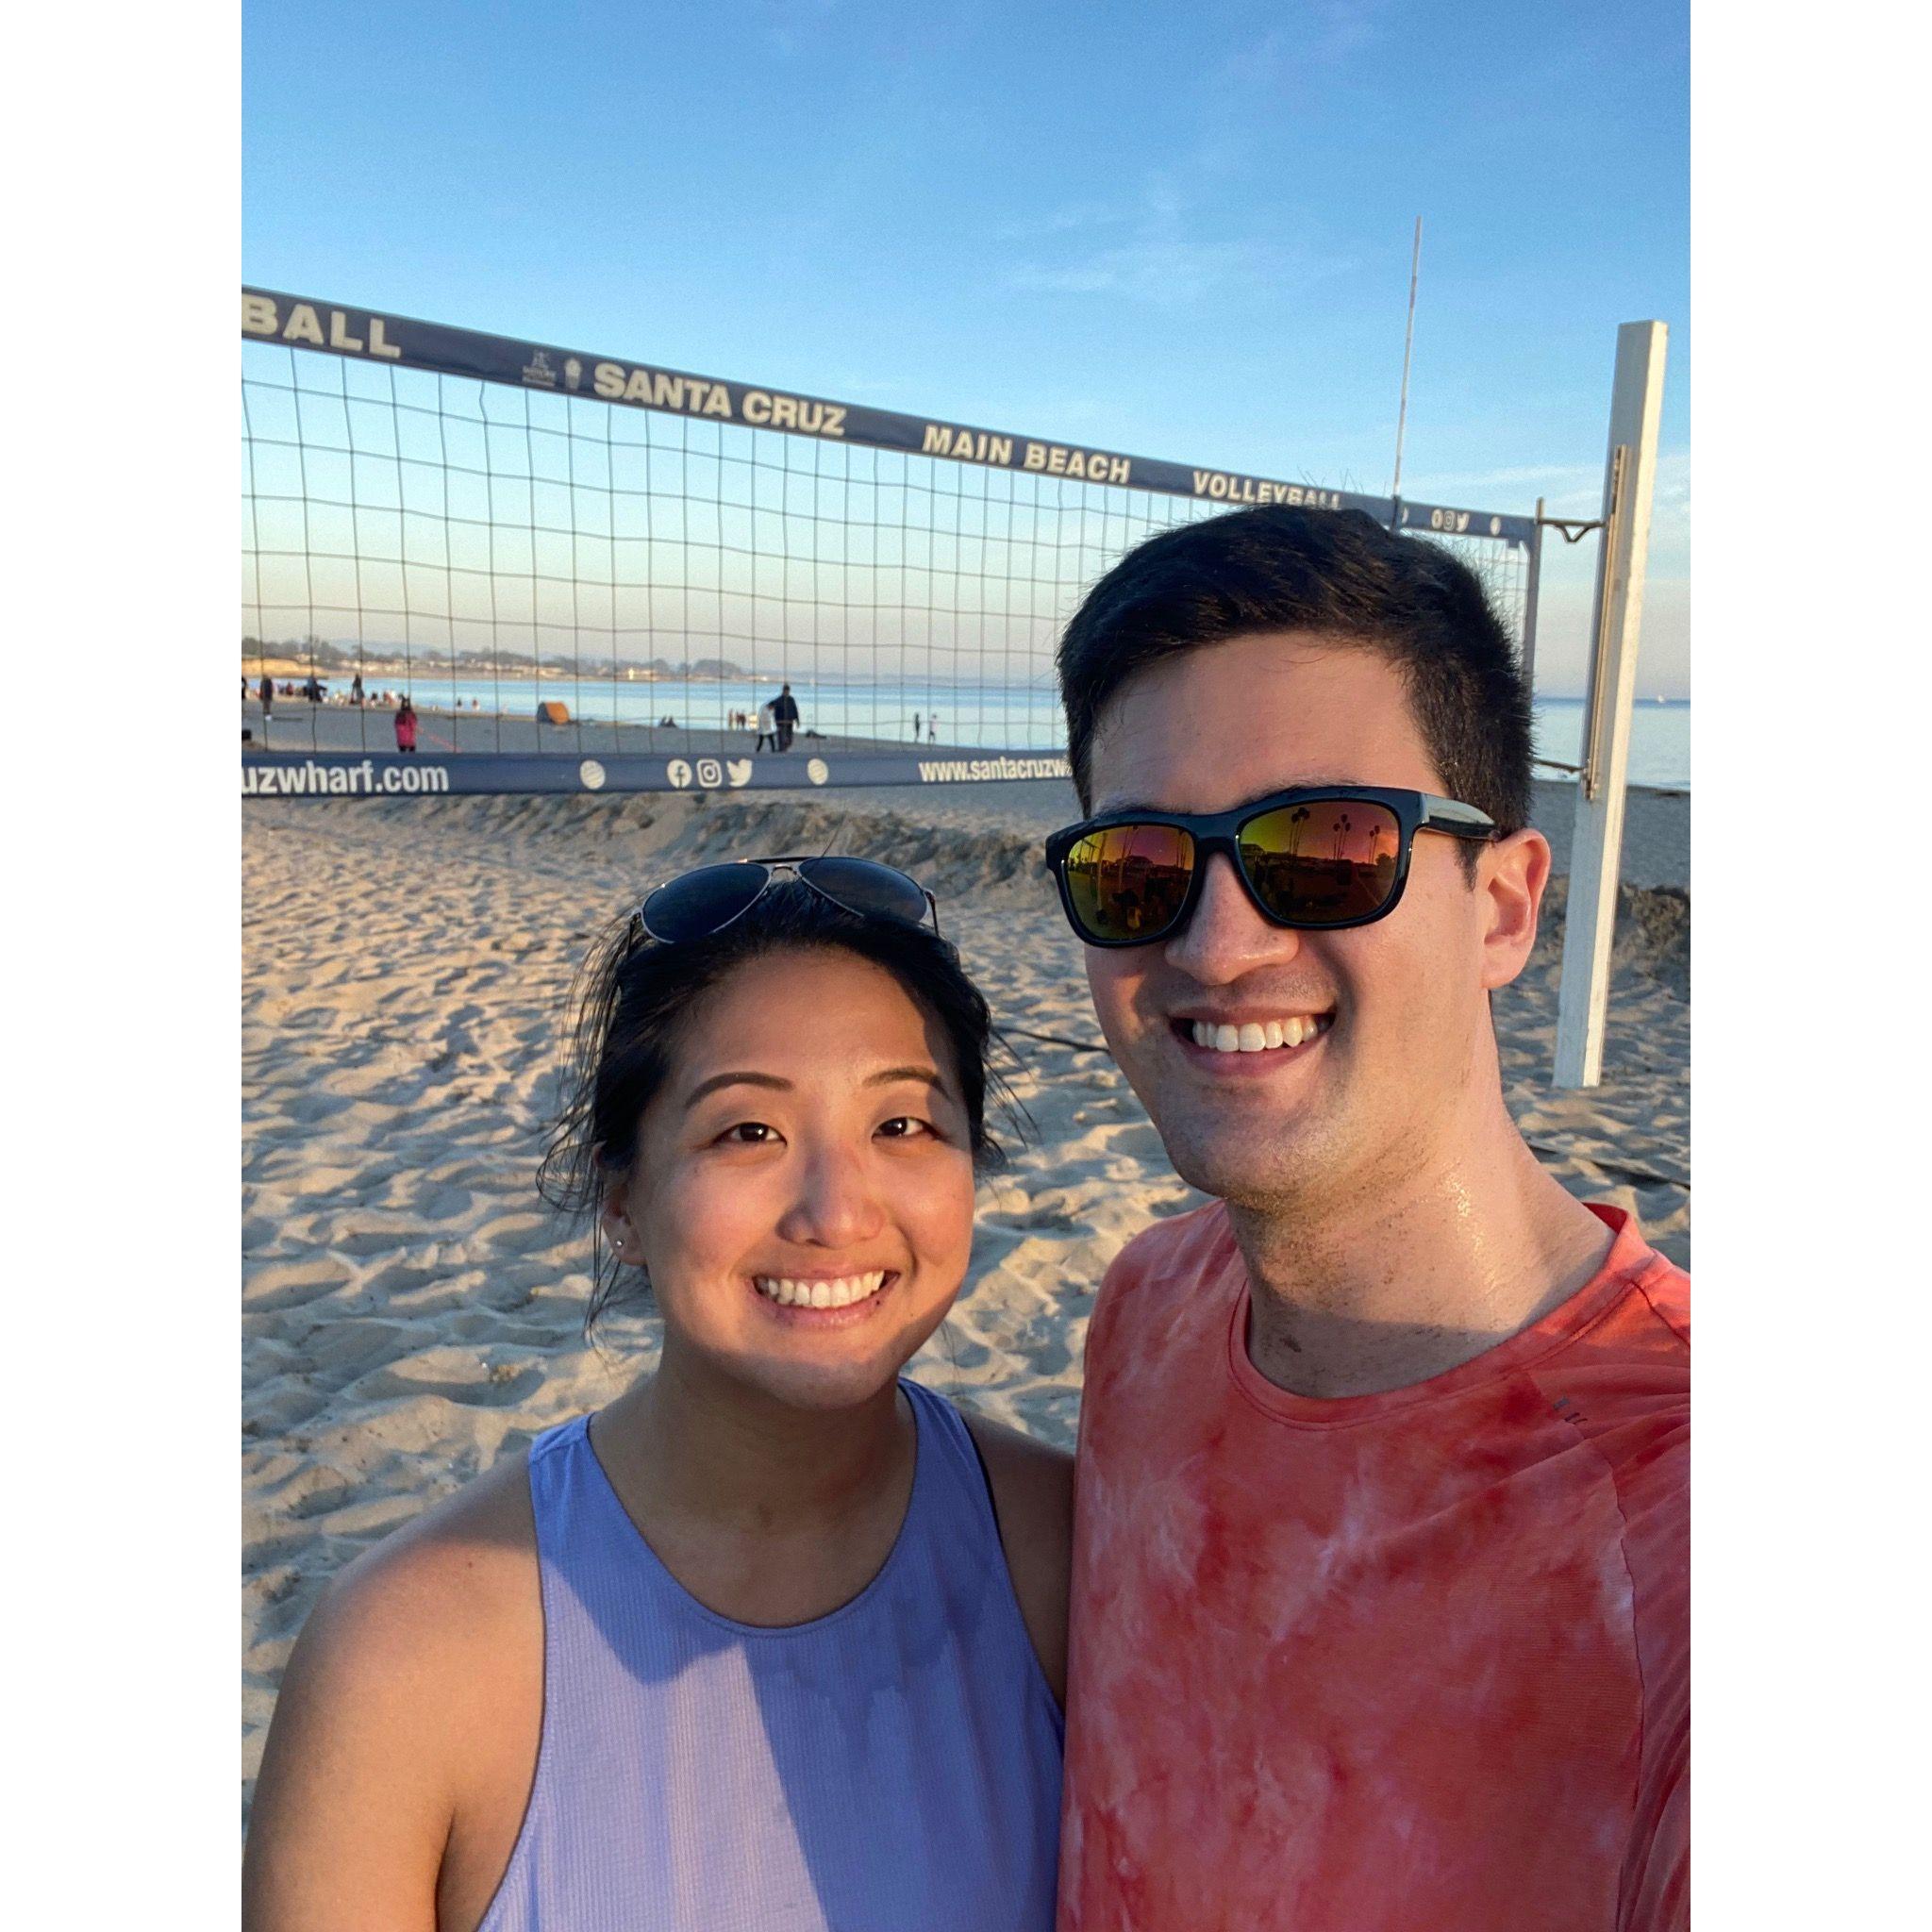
x=484 y=549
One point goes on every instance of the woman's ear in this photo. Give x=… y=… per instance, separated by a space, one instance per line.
x=619 y=1234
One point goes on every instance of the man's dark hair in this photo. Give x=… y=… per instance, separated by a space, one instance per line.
x=1334 y=572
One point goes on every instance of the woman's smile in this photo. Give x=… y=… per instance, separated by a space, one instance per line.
x=826 y=1301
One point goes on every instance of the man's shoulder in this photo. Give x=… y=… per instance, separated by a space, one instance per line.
x=1175 y=1247
x=1654 y=1309
x=1666 y=1292
x=1158 y=1274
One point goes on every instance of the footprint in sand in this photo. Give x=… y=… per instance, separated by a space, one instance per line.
x=455 y=1372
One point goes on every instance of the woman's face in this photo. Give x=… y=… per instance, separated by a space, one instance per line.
x=803 y=1192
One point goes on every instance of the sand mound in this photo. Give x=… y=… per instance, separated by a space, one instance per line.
x=1652 y=937
x=411 y=1312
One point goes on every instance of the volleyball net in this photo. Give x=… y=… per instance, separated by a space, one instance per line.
x=582 y=570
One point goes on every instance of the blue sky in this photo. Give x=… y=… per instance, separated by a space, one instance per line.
x=1182 y=231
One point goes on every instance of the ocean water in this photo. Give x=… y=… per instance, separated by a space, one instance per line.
x=1660 y=739
x=1010 y=717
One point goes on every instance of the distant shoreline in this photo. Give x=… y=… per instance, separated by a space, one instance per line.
x=441 y=667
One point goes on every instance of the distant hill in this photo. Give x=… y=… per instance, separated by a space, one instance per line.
x=340 y=659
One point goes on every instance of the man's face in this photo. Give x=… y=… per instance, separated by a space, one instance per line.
x=1404 y=1046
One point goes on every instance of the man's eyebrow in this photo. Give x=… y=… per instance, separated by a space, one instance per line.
x=1108 y=811
x=745 y=1079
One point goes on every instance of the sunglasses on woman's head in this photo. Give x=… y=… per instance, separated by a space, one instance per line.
x=698 y=904
x=1315 y=859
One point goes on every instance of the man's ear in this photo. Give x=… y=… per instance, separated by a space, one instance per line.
x=1512 y=875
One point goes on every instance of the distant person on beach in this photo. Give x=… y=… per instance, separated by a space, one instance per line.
x=785 y=715
x=776 y=1637
x=915 y=727
x=268 y=697
x=405 y=727
x=355 y=689
x=768 y=731
x=932 y=728
x=1380 y=1610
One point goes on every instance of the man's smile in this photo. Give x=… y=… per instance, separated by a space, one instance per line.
x=1252 y=1041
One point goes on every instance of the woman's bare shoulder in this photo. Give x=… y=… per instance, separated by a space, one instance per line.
x=418 y=1600
x=1032 y=1484
x=410 y=1709
x=1041 y=1468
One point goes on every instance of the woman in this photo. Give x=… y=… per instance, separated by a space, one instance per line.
x=777 y=1638
x=405 y=725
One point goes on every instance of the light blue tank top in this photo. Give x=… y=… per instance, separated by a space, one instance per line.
x=893 y=1767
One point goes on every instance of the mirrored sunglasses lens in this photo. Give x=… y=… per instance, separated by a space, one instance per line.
x=701 y=902
x=1129 y=881
x=867 y=888
x=1323 y=861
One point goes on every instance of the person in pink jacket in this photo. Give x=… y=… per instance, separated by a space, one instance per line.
x=405 y=727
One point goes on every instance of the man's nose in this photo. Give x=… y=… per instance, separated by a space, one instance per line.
x=836 y=1206
x=1227 y=935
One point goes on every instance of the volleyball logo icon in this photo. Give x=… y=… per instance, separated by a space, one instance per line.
x=816 y=771
x=591 y=775
x=677 y=773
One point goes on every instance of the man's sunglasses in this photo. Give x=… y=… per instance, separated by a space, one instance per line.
x=1315 y=859
x=697 y=904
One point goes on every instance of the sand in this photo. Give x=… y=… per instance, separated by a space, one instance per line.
x=411 y=1311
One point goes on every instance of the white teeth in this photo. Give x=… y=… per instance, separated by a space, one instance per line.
x=1254 y=1036
x=819 y=1295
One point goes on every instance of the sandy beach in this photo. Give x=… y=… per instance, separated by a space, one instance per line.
x=413 y=1311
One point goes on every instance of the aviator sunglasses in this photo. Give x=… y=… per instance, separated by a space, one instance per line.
x=697 y=904
x=1315 y=859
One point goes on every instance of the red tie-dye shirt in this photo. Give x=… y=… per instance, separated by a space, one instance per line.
x=1408 y=1662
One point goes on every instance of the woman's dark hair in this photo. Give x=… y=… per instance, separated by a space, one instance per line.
x=634 y=999
x=1286 y=568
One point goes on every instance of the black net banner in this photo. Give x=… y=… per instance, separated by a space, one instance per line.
x=543 y=569
x=332 y=328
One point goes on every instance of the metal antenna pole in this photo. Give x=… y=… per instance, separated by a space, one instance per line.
x=1415 y=266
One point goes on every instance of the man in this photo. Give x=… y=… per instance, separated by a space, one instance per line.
x=1380 y=1595
x=785 y=712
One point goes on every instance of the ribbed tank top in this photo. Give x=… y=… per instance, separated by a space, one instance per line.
x=893 y=1766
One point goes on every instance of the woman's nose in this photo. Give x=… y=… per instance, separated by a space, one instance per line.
x=836 y=1206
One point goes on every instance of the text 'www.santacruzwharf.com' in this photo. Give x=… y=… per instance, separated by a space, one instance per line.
x=937 y=771
x=308 y=779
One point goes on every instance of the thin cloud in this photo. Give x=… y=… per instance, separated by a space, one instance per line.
x=790 y=23
x=1318 y=42
x=1164 y=269
x=1074 y=218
